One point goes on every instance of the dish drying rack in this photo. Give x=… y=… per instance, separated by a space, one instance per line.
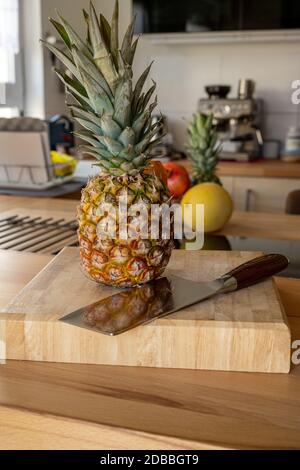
x=37 y=234
x=35 y=177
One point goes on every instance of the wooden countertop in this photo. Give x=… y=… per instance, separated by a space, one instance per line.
x=65 y=406
x=259 y=168
x=45 y=205
x=243 y=224
x=263 y=225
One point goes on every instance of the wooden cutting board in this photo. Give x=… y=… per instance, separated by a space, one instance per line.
x=242 y=331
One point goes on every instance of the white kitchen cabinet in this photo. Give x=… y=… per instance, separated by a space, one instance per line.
x=261 y=194
x=228 y=183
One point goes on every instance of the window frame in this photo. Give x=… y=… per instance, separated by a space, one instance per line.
x=14 y=92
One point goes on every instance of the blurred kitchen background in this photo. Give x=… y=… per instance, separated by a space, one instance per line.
x=184 y=62
x=239 y=59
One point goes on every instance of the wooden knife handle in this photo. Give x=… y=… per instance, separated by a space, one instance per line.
x=258 y=269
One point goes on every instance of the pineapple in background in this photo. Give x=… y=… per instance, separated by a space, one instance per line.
x=116 y=121
x=203 y=150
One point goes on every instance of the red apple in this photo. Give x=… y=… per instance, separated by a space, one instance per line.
x=178 y=179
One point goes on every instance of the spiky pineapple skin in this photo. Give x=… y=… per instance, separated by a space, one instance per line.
x=114 y=261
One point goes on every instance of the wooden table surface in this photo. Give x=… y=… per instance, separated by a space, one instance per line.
x=263 y=225
x=60 y=406
x=258 y=168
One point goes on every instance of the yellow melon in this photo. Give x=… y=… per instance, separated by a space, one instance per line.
x=218 y=206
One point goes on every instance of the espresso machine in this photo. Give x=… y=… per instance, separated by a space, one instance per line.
x=237 y=120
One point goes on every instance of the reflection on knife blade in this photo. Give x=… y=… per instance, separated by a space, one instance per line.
x=127 y=309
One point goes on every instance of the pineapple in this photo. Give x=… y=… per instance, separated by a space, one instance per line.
x=203 y=149
x=115 y=117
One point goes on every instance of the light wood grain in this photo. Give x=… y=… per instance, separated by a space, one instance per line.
x=45 y=206
x=233 y=410
x=249 y=324
x=260 y=168
x=222 y=409
x=12 y=278
x=289 y=293
x=23 y=430
x=263 y=225
x=67 y=213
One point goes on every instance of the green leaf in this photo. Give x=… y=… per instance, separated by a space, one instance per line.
x=104 y=165
x=87 y=137
x=87 y=64
x=127 y=167
x=90 y=126
x=61 y=31
x=141 y=122
x=87 y=20
x=104 y=154
x=214 y=139
x=102 y=56
x=114 y=38
x=96 y=152
x=127 y=137
x=133 y=50
x=75 y=39
x=112 y=145
x=154 y=143
x=105 y=31
x=99 y=99
x=203 y=148
x=123 y=103
x=128 y=153
x=157 y=127
x=140 y=160
x=67 y=62
x=100 y=35
x=95 y=33
x=148 y=96
x=110 y=127
x=106 y=65
x=209 y=121
x=73 y=85
x=81 y=102
x=139 y=87
x=142 y=146
x=78 y=111
x=127 y=41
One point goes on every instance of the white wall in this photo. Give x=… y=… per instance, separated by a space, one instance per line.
x=34 y=90
x=44 y=95
x=72 y=11
x=54 y=92
x=182 y=71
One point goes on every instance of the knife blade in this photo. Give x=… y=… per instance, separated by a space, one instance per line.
x=140 y=305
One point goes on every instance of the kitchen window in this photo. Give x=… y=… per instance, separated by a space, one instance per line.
x=11 y=88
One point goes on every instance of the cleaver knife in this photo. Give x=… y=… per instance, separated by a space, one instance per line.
x=140 y=305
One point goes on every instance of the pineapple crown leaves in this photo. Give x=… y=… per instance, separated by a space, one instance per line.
x=203 y=148
x=114 y=114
